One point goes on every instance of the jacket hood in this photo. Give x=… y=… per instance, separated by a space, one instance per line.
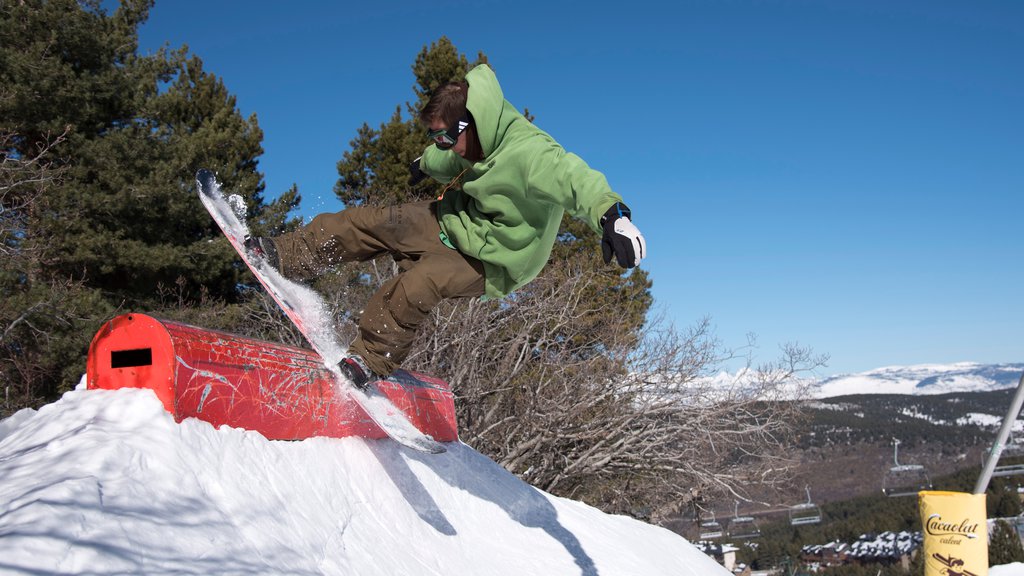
x=491 y=113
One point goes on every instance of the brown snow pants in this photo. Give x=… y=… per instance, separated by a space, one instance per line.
x=430 y=271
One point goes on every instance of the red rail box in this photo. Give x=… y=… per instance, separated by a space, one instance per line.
x=282 y=392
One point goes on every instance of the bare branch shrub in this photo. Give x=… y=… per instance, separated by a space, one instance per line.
x=639 y=429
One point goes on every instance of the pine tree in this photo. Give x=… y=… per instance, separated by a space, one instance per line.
x=123 y=222
x=1002 y=501
x=376 y=169
x=1004 y=546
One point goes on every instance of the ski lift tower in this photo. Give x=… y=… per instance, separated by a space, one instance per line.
x=992 y=464
x=1013 y=450
x=806 y=512
x=904 y=479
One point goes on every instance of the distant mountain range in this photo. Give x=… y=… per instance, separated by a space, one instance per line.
x=923 y=379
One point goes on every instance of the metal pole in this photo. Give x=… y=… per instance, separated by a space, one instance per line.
x=1004 y=434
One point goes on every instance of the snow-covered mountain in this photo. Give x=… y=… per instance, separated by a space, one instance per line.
x=923 y=379
x=104 y=482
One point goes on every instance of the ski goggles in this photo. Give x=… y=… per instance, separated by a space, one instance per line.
x=445 y=139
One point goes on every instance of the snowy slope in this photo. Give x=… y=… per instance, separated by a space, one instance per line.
x=106 y=482
x=923 y=379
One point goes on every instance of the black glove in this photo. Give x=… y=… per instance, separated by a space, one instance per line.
x=621 y=237
x=415 y=174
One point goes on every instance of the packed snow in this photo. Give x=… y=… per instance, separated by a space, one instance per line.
x=105 y=482
x=991 y=421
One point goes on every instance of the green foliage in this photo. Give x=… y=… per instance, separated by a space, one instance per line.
x=1003 y=501
x=376 y=169
x=436 y=66
x=120 y=226
x=66 y=62
x=1004 y=546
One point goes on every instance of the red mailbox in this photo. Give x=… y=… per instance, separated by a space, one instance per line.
x=282 y=392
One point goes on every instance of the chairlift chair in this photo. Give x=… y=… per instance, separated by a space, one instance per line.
x=743 y=527
x=710 y=528
x=805 y=513
x=1008 y=470
x=904 y=479
x=1013 y=450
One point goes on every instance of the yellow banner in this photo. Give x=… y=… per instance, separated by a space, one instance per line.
x=955 y=533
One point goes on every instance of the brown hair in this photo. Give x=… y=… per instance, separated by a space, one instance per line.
x=447 y=104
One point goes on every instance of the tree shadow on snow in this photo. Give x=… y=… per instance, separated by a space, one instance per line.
x=181 y=519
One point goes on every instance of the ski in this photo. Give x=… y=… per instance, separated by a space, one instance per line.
x=306 y=309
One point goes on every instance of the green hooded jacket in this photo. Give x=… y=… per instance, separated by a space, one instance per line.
x=509 y=208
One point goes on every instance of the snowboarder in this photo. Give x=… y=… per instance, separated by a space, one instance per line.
x=491 y=231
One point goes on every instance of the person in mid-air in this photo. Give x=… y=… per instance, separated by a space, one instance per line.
x=507 y=184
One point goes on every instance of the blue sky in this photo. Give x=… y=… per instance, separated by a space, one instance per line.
x=848 y=175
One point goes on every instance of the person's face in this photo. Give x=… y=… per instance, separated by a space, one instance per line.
x=460 y=145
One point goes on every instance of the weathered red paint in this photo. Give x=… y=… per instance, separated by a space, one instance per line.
x=282 y=392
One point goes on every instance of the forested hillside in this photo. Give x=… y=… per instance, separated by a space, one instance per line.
x=845 y=452
x=912 y=419
x=845 y=445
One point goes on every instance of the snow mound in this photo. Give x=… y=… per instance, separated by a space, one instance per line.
x=106 y=482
